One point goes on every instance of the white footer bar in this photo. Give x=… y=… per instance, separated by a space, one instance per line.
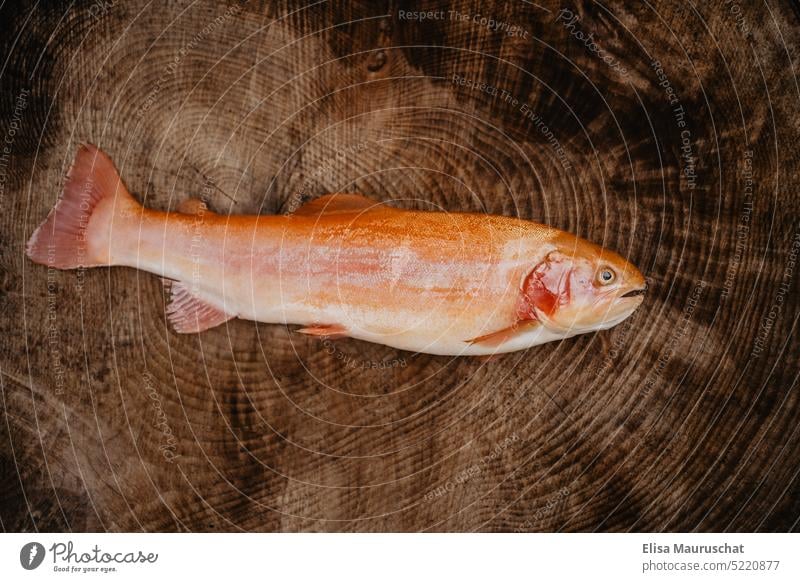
x=390 y=557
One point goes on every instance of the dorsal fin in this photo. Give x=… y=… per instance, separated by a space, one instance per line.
x=339 y=202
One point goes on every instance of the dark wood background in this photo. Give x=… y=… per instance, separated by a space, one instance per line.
x=683 y=418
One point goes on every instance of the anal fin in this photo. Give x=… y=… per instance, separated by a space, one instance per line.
x=498 y=338
x=189 y=314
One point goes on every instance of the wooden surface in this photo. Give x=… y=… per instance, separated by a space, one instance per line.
x=683 y=418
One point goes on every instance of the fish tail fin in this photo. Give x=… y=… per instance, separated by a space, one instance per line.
x=77 y=231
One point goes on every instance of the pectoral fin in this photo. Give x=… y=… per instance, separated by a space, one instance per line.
x=333 y=331
x=498 y=338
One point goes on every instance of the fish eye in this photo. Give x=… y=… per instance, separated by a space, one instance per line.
x=606 y=276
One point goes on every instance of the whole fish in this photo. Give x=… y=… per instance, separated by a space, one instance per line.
x=344 y=265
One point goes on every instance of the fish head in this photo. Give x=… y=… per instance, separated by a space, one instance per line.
x=580 y=287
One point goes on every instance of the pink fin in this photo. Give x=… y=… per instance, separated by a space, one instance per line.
x=188 y=314
x=60 y=241
x=498 y=338
x=337 y=203
x=193 y=206
x=333 y=331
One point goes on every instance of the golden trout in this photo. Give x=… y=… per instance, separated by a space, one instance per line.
x=344 y=265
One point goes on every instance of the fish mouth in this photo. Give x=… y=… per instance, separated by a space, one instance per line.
x=639 y=291
x=623 y=306
x=607 y=311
